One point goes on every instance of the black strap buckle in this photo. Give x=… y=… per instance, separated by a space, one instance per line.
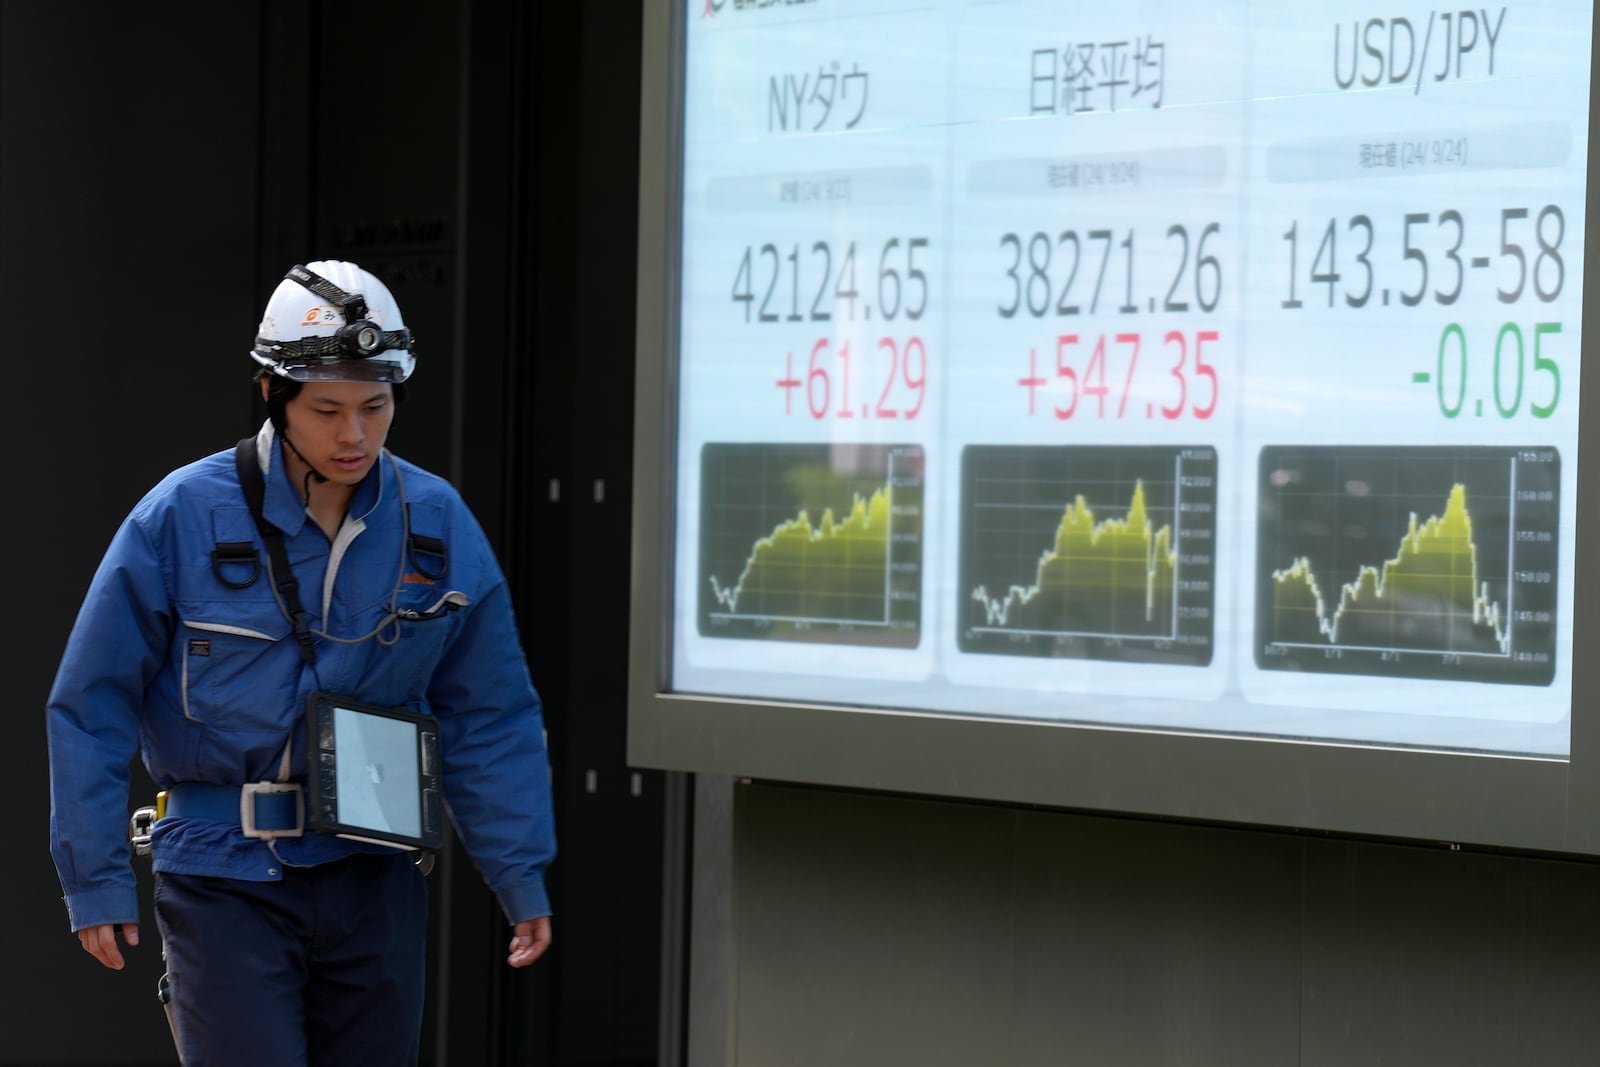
x=235 y=554
x=432 y=547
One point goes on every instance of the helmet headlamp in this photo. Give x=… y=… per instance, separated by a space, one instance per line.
x=361 y=339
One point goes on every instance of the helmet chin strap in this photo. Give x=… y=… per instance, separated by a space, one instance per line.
x=311 y=472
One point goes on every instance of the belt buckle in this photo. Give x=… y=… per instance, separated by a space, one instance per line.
x=247 y=809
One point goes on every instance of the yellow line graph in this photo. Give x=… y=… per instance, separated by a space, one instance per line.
x=831 y=569
x=1431 y=586
x=1106 y=572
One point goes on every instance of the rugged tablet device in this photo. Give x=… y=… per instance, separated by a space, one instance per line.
x=374 y=773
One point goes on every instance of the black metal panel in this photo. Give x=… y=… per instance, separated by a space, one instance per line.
x=127 y=289
x=1438 y=957
x=870 y=929
x=1144 y=943
x=876 y=930
x=385 y=142
x=608 y=881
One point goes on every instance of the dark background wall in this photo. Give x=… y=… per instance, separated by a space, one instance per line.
x=128 y=266
x=161 y=166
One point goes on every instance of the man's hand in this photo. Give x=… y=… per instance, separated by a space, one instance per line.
x=528 y=942
x=101 y=942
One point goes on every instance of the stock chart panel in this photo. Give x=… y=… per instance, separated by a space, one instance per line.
x=1155 y=365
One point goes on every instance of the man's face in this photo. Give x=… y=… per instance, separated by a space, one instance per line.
x=340 y=427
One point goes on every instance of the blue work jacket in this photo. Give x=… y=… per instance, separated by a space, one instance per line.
x=208 y=681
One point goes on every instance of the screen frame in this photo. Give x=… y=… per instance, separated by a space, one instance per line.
x=1460 y=798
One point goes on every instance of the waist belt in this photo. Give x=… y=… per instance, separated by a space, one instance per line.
x=263 y=810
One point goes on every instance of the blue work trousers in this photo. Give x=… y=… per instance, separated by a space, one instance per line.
x=326 y=967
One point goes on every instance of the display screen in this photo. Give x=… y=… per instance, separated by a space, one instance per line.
x=1207 y=368
x=378 y=773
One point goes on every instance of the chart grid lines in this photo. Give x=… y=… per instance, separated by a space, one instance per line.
x=1085 y=552
x=809 y=543
x=1426 y=562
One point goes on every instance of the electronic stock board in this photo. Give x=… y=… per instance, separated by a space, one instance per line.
x=1080 y=386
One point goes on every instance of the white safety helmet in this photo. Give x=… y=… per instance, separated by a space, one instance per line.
x=333 y=321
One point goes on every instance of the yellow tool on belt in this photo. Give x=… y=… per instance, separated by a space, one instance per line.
x=142 y=821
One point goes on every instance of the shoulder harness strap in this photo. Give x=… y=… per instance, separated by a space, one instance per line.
x=255 y=495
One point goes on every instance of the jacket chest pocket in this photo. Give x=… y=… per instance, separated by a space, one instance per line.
x=240 y=670
x=423 y=640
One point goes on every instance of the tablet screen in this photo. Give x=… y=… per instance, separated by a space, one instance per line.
x=378 y=784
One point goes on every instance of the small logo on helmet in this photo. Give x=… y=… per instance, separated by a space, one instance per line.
x=322 y=316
